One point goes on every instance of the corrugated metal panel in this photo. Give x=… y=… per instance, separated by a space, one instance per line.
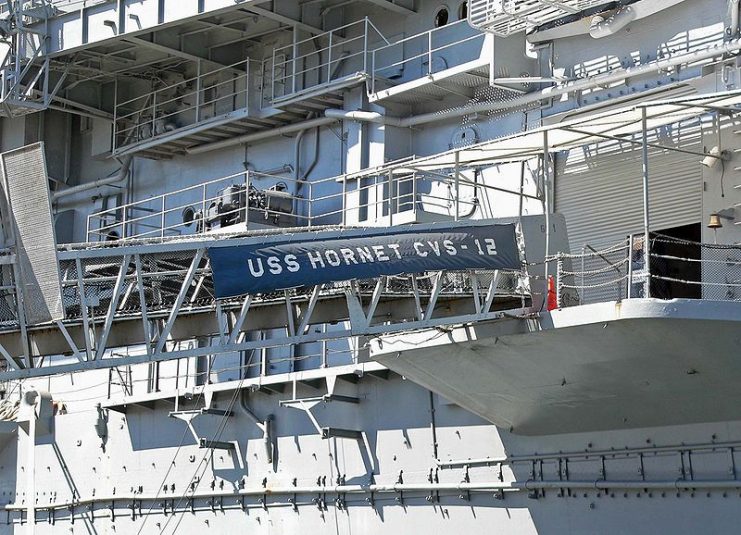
x=599 y=188
x=26 y=190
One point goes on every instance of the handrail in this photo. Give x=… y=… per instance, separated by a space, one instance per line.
x=613 y=265
x=286 y=72
x=364 y=20
x=699 y=270
x=312 y=203
x=433 y=31
x=66 y=6
x=143 y=116
x=193 y=79
x=429 y=48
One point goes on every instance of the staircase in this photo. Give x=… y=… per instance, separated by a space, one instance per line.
x=27 y=84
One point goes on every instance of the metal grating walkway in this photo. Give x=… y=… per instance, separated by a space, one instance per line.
x=505 y=17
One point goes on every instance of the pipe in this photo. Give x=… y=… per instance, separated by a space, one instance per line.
x=734 y=18
x=515 y=486
x=433 y=425
x=587 y=454
x=301 y=178
x=297 y=175
x=118 y=177
x=364 y=116
x=547 y=204
x=616 y=75
x=31 y=470
x=646 y=212
x=262 y=135
x=264 y=425
x=287 y=491
x=604 y=27
x=297 y=155
x=267 y=439
x=577 y=85
x=315 y=160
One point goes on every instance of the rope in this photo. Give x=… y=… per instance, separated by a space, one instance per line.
x=728 y=262
x=186 y=432
x=9 y=410
x=610 y=267
x=609 y=250
x=698 y=283
x=669 y=239
x=599 y=285
x=196 y=478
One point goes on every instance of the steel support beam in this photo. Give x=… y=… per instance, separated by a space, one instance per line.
x=169 y=50
x=272 y=15
x=311 y=337
x=391 y=6
x=179 y=301
x=112 y=307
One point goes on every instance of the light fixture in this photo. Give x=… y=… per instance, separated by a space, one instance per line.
x=715 y=155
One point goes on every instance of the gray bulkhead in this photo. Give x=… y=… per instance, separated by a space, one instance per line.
x=124 y=467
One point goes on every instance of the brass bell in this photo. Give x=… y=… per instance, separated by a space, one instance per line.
x=715 y=221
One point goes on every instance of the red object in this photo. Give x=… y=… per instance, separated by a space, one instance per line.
x=552 y=297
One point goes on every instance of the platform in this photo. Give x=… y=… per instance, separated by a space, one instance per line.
x=613 y=365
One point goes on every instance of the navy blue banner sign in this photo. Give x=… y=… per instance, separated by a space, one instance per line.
x=264 y=268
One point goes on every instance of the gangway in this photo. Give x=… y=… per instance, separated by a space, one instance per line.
x=159 y=292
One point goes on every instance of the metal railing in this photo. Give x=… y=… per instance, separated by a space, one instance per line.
x=415 y=57
x=254 y=199
x=323 y=59
x=163 y=111
x=24 y=71
x=677 y=268
x=276 y=357
x=61 y=5
x=194 y=210
x=169 y=291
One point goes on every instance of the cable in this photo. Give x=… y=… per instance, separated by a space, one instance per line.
x=169 y=469
x=209 y=453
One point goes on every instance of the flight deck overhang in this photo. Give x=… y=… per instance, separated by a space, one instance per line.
x=611 y=365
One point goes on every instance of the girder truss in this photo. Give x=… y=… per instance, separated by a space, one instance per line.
x=158 y=295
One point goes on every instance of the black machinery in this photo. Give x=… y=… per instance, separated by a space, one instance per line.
x=239 y=203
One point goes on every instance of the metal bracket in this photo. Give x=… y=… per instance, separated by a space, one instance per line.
x=204 y=443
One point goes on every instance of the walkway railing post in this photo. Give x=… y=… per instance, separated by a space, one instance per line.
x=646 y=221
x=457 y=184
x=546 y=202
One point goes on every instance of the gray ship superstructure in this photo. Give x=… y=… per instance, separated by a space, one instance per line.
x=370 y=266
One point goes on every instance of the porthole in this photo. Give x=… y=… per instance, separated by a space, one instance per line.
x=463 y=11
x=441 y=17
